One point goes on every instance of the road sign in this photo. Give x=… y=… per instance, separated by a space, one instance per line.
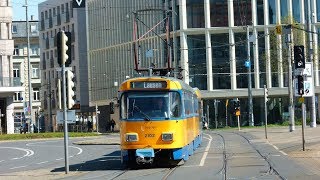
x=308 y=87
x=79 y=4
x=279 y=29
x=308 y=69
x=71 y=116
x=247 y=63
x=238 y=112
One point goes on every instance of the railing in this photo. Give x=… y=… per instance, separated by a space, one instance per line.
x=10 y=82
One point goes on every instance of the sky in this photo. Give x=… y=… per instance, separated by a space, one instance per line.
x=19 y=12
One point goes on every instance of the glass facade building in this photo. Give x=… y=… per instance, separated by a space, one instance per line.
x=209 y=43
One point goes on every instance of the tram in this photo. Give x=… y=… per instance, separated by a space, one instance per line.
x=159 y=120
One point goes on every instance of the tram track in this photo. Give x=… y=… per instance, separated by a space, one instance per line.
x=124 y=174
x=226 y=156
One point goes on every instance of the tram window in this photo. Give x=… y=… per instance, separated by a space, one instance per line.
x=175 y=105
x=188 y=103
x=123 y=109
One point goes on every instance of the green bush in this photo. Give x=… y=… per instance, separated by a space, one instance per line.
x=43 y=135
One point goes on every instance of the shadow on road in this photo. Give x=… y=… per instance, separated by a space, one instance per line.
x=108 y=162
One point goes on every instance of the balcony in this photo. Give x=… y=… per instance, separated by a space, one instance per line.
x=12 y=85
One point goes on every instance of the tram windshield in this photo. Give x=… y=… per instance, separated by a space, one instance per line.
x=150 y=105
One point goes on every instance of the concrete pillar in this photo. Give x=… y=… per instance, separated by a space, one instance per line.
x=208 y=46
x=9 y=115
x=279 y=46
x=232 y=50
x=255 y=45
x=183 y=41
x=267 y=43
x=315 y=43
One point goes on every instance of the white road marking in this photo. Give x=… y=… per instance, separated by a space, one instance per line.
x=1 y=160
x=59 y=159
x=18 y=167
x=205 y=154
x=43 y=162
x=189 y=166
x=42 y=144
x=28 y=152
x=283 y=153
x=278 y=149
x=109 y=159
x=80 y=150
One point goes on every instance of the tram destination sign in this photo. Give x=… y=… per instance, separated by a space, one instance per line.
x=148 y=84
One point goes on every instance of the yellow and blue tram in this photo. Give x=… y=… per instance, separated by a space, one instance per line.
x=159 y=120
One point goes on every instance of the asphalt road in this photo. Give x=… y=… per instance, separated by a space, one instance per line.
x=222 y=155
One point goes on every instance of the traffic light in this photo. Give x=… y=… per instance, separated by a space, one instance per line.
x=70 y=91
x=300 y=84
x=236 y=104
x=299 y=59
x=64 y=48
x=111 y=107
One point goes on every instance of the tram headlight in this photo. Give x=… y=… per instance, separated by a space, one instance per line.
x=131 y=137
x=167 y=136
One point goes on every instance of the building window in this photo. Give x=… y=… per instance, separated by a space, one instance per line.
x=36 y=94
x=35 y=70
x=14 y=29
x=35 y=51
x=16 y=51
x=33 y=29
x=62 y=8
x=17 y=97
x=16 y=70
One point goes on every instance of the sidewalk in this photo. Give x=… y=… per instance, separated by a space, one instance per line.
x=291 y=144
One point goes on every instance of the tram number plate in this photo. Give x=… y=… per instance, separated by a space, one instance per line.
x=149 y=135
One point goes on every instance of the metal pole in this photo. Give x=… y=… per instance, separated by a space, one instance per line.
x=208 y=116
x=38 y=120
x=63 y=75
x=238 y=119
x=29 y=66
x=251 y=121
x=290 y=87
x=216 y=112
x=265 y=112
x=227 y=101
x=97 y=118
x=0 y=122
x=303 y=123
x=313 y=122
x=50 y=106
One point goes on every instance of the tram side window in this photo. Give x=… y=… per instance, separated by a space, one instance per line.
x=188 y=103
x=124 y=113
x=175 y=105
x=195 y=105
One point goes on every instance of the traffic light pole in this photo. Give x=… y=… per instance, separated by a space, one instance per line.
x=64 y=57
x=265 y=110
x=63 y=75
x=290 y=78
x=313 y=122
x=251 y=120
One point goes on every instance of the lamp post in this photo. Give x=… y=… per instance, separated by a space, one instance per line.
x=29 y=66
